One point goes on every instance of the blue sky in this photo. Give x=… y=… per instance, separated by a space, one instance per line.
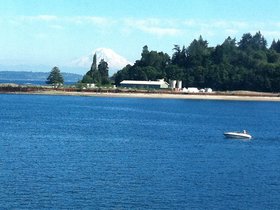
x=55 y=32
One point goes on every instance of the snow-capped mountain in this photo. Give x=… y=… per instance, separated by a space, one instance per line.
x=115 y=61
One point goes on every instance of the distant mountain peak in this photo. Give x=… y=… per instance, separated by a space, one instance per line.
x=115 y=61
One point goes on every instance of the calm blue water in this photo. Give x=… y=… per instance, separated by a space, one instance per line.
x=64 y=152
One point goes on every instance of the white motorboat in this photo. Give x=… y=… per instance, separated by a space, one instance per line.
x=238 y=135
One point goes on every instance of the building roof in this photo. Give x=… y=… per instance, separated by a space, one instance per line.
x=137 y=82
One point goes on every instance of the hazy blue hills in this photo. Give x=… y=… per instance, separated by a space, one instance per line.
x=34 y=77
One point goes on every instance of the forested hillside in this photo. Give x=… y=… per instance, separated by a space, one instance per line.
x=245 y=65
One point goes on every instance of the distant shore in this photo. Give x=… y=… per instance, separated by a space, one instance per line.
x=229 y=95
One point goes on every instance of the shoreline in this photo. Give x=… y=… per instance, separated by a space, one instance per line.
x=128 y=93
x=214 y=96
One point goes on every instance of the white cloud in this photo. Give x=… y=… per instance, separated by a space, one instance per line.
x=153 y=26
x=41 y=36
x=214 y=24
x=84 y=20
x=219 y=29
x=273 y=34
x=99 y=21
x=161 y=31
x=190 y=22
x=277 y=24
x=46 y=18
x=231 y=32
x=239 y=24
x=56 y=26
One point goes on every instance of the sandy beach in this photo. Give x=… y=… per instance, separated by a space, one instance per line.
x=224 y=96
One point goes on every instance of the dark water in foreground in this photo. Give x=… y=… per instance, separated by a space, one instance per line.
x=63 y=152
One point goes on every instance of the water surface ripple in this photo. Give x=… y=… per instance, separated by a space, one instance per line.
x=64 y=152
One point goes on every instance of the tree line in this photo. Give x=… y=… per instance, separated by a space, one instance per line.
x=245 y=65
x=98 y=74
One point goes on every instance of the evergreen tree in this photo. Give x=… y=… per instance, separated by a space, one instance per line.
x=174 y=72
x=145 y=56
x=258 y=42
x=122 y=74
x=93 y=66
x=245 y=41
x=197 y=52
x=89 y=76
x=97 y=74
x=179 y=56
x=248 y=65
x=55 y=77
x=103 y=70
x=275 y=46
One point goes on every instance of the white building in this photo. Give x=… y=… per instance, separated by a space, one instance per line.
x=159 y=84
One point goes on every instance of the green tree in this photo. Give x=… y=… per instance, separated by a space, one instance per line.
x=103 y=70
x=55 y=77
x=145 y=56
x=152 y=73
x=89 y=77
x=158 y=60
x=174 y=72
x=225 y=53
x=96 y=77
x=244 y=65
x=249 y=42
x=122 y=74
x=198 y=53
x=137 y=73
x=97 y=74
x=272 y=56
x=93 y=66
x=245 y=41
x=179 y=56
x=259 y=42
x=275 y=45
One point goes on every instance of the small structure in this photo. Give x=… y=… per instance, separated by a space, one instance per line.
x=192 y=90
x=57 y=85
x=159 y=84
x=176 y=84
x=202 y=90
x=179 y=84
x=172 y=84
x=196 y=90
x=90 y=85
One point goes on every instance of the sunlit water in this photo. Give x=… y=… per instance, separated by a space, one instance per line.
x=64 y=152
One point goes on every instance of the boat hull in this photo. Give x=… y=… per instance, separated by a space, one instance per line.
x=236 y=135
